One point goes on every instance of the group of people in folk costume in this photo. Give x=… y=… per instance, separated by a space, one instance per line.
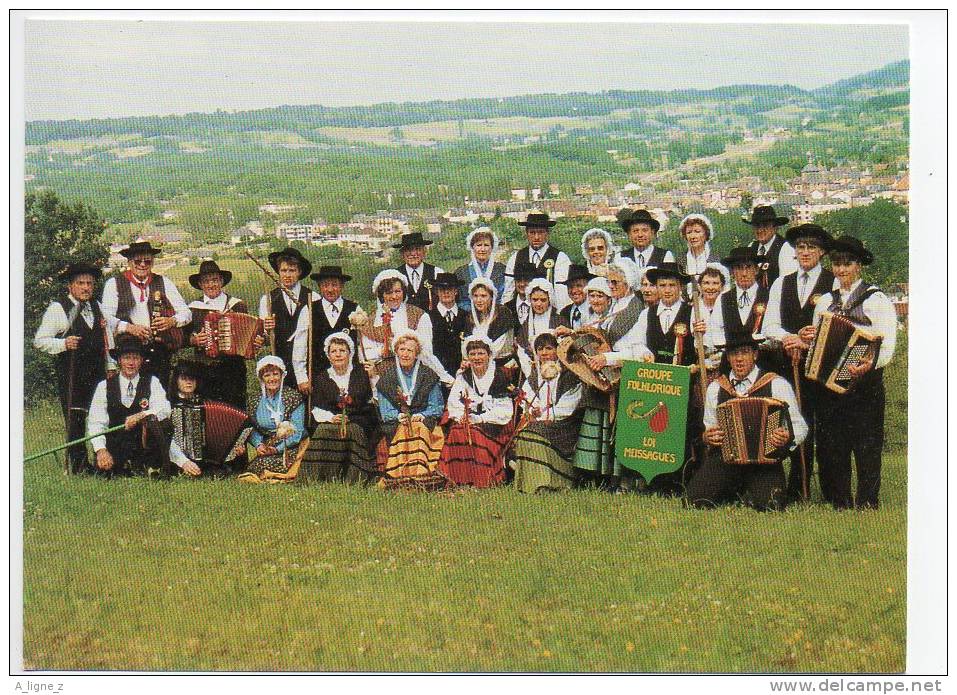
x=454 y=378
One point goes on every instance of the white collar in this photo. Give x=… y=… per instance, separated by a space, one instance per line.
x=752 y=376
x=221 y=298
x=540 y=251
x=845 y=293
x=420 y=269
x=483 y=383
x=674 y=307
x=445 y=310
x=337 y=304
x=124 y=381
x=649 y=249
x=740 y=290
x=339 y=378
x=813 y=273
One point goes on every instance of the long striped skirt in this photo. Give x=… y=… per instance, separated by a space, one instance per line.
x=411 y=458
x=539 y=467
x=481 y=463
x=595 y=451
x=331 y=457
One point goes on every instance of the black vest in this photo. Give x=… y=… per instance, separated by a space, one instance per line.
x=524 y=255
x=286 y=324
x=763 y=392
x=566 y=313
x=124 y=295
x=768 y=271
x=362 y=411
x=447 y=340
x=427 y=295
x=321 y=330
x=497 y=389
x=662 y=345
x=729 y=309
x=89 y=359
x=794 y=317
x=118 y=412
x=657 y=256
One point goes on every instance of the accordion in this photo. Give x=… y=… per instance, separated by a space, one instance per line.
x=208 y=432
x=838 y=344
x=231 y=334
x=748 y=424
x=573 y=349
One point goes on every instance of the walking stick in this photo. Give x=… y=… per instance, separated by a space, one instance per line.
x=41 y=454
x=74 y=312
x=699 y=343
x=309 y=359
x=795 y=361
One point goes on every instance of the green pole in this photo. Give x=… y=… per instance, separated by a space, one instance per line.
x=41 y=454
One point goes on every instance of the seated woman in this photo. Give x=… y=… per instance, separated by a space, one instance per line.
x=394 y=316
x=494 y=321
x=347 y=420
x=543 y=318
x=480 y=408
x=410 y=405
x=482 y=244
x=279 y=412
x=598 y=250
x=544 y=448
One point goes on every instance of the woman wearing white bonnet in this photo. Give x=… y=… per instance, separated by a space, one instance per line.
x=394 y=315
x=482 y=243
x=598 y=250
x=342 y=445
x=543 y=318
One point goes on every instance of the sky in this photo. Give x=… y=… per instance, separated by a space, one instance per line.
x=101 y=69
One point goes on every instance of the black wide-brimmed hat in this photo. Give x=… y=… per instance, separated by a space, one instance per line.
x=447 y=280
x=140 y=246
x=208 y=268
x=763 y=214
x=740 y=254
x=527 y=271
x=739 y=338
x=812 y=231
x=330 y=272
x=411 y=241
x=80 y=268
x=305 y=266
x=188 y=368
x=577 y=271
x=127 y=343
x=537 y=220
x=853 y=246
x=667 y=270
x=627 y=217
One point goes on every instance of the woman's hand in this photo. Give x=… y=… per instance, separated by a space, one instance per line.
x=418 y=418
x=596 y=362
x=266 y=450
x=563 y=330
x=370 y=368
x=337 y=419
x=714 y=436
x=191 y=469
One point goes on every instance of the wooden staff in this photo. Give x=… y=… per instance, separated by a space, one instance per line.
x=74 y=313
x=699 y=341
x=795 y=371
x=272 y=331
x=466 y=418
x=309 y=358
x=41 y=454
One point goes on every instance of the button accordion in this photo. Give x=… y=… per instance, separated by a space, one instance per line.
x=208 y=432
x=231 y=334
x=747 y=424
x=838 y=344
x=573 y=349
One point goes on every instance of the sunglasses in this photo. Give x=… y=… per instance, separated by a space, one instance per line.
x=142 y=261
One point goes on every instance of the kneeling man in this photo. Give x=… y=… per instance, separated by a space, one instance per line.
x=137 y=401
x=759 y=485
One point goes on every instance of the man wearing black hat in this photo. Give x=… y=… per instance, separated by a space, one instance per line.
x=577 y=313
x=641 y=228
x=421 y=275
x=330 y=314
x=776 y=255
x=282 y=308
x=549 y=260
x=790 y=315
x=138 y=401
x=225 y=376
x=143 y=302
x=522 y=274
x=448 y=323
x=743 y=306
x=76 y=332
x=853 y=422
x=759 y=485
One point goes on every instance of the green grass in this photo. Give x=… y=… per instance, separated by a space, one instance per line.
x=213 y=575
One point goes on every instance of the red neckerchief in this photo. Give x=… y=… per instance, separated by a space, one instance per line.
x=144 y=286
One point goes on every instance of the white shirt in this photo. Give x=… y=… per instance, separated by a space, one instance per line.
x=628 y=346
x=584 y=314
x=340 y=380
x=665 y=315
x=415 y=274
x=879 y=309
x=780 y=389
x=787 y=257
x=643 y=258
x=290 y=305
x=55 y=324
x=715 y=332
x=400 y=324
x=558 y=276
x=772 y=319
x=98 y=419
x=552 y=411
x=140 y=314
x=498 y=411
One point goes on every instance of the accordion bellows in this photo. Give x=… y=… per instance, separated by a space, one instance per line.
x=209 y=432
x=231 y=333
x=748 y=424
x=838 y=344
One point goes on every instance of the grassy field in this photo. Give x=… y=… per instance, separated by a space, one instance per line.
x=213 y=575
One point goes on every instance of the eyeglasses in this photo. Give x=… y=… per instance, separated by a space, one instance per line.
x=142 y=261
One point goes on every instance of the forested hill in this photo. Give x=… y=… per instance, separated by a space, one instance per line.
x=743 y=100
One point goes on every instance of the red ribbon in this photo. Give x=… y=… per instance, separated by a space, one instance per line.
x=143 y=286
